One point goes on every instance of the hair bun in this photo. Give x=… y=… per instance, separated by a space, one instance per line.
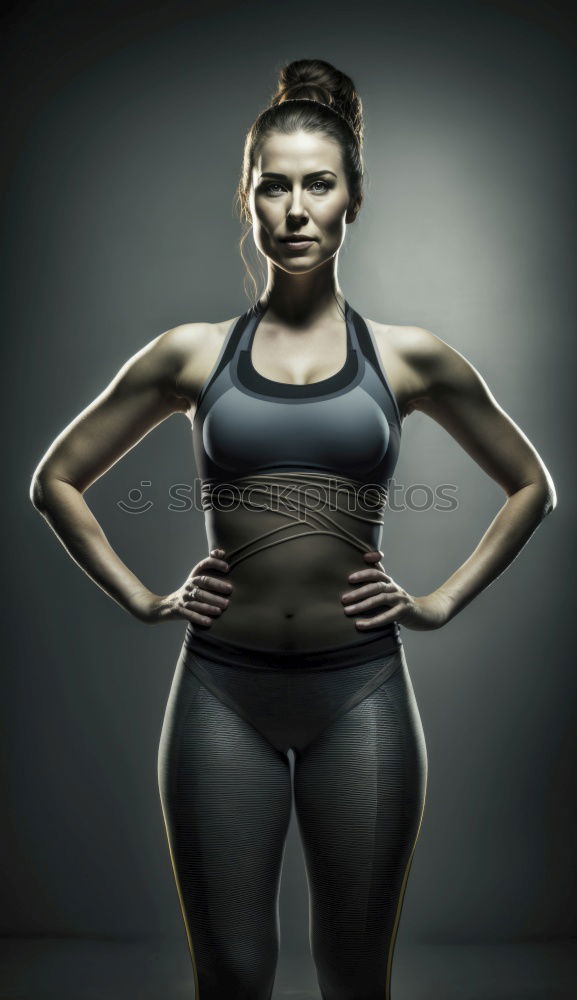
x=309 y=90
x=318 y=80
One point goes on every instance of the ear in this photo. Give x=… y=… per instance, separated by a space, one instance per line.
x=354 y=209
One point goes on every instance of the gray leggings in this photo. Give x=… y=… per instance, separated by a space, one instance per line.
x=360 y=777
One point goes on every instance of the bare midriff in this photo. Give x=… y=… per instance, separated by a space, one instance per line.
x=291 y=539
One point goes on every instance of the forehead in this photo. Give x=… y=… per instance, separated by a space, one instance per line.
x=299 y=153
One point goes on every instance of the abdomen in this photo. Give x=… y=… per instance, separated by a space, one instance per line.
x=290 y=565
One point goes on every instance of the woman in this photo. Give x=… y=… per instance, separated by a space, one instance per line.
x=293 y=625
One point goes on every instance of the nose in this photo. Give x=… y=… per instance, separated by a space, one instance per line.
x=296 y=209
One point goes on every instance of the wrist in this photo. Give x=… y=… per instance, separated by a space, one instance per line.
x=445 y=604
x=142 y=603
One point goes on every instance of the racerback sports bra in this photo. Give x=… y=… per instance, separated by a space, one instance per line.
x=342 y=432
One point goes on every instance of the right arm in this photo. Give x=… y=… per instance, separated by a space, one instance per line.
x=143 y=393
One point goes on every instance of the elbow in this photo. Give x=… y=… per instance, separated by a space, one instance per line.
x=543 y=496
x=41 y=492
x=37 y=494
x=46 y=489
x=547 y=496
x=550 y=502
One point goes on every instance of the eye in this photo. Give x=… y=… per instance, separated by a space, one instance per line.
x=268 y=188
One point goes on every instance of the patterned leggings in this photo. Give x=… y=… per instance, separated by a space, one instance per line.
x=360 y=777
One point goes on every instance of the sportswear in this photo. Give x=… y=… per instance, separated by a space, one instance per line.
x=347 y=712
x=345 y=425
x=274 y=443
x=358 y=789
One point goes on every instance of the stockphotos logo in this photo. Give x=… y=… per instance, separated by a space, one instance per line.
x=226 y=496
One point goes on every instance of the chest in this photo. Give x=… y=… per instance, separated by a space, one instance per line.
x=298 y=359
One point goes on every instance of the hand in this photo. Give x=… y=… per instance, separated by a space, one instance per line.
x=375 y=587
x=209 y=602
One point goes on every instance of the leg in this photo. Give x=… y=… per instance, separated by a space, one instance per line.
x=226 y=800
x=360 y=791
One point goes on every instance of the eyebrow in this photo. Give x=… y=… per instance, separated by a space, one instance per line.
x=283 y=177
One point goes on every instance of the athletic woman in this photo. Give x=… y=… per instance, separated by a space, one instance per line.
x=293 y=637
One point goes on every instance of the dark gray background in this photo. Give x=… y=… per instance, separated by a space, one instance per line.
x=123 y=129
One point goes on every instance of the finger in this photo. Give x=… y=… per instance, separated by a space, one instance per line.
x=204 y=607
x=370 y=602
x=211 y=583
x=208 y=598
x=382 y=619
x=196 y=618
x=370 y=588
x=211 y=562
x=368 y=574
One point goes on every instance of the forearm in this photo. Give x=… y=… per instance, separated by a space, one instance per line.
x=63 y=507
x=512 y=527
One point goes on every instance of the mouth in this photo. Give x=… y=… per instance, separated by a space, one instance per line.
x=298 y=242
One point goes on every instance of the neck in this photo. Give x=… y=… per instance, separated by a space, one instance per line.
x=302 y=300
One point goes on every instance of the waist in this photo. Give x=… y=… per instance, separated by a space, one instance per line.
x=387 y=641
x=292 y=539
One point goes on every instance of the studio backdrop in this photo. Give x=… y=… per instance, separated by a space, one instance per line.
x=124 y=126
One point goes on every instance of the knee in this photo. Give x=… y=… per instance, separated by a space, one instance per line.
x=244 y=970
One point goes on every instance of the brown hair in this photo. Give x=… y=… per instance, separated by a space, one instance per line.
x=320 y=99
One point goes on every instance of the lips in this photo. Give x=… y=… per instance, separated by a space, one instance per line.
x=297 y=239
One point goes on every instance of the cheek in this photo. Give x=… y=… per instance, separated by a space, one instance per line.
x=268 y=220
x=331 y=215
x=263 y=226
x=333 y=225
x=264 y=240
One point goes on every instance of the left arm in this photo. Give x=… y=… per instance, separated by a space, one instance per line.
x=457 y=397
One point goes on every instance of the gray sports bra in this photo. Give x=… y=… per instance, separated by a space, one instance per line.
x=252 y=434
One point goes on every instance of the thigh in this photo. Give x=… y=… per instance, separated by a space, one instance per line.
x=226 y=799
x=360 y=791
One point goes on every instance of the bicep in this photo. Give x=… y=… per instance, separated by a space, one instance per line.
x=139 y=397
x=459 y=399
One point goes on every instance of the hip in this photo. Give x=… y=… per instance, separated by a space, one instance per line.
x=293 y=700
x=295 y=627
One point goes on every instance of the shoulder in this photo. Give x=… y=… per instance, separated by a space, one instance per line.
x=190 y=352
x=173 y=347
x=414 y=344
x=169 y=349
x=431 y=366
x=160 y=360
x=182 y=342
x=175 y=356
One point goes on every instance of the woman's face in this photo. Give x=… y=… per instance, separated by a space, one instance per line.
x=299 y=189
